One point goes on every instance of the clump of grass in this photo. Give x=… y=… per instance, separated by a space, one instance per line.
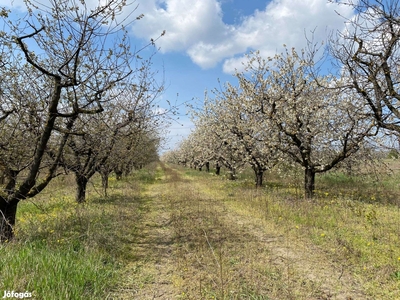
x=64 y=250
x=146 y=176
x=55 y=272
x=352 y=223
x=225 y=239
x=360 y=235
x=216 y=257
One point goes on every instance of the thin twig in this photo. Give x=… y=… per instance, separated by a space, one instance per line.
x=212 y=250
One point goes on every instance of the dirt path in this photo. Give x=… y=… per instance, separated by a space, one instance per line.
x=193 y=245
x=149 y=276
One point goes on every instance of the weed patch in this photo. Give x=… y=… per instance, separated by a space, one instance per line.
x=183 y=234
x=64 y=250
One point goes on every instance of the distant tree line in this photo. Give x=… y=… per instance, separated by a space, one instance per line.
x=285 y=111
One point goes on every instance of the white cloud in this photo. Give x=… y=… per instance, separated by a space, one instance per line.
x=287 y=22
x=187 y=23
x=196 y=27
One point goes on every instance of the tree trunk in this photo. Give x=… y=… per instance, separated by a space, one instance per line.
x=259 y=177
x=81 y=182
x=217 y=169
x=207 y=167
x=8 y=211
x=104 y=180
x=309 y=182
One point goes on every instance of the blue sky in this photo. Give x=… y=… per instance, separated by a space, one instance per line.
x=206 y=40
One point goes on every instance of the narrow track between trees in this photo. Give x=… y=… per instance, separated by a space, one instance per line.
x=195 y=243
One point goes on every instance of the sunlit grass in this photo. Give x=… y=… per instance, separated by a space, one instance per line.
x=354 y=220
x=55 y=271
x=221 y=236
x=63 y=250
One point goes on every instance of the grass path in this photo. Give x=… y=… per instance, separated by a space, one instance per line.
x=148 y=276
x=194 y=243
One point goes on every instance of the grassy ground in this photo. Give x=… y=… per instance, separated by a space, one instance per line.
x=174 y=233
x=217 y=239
x=352 y=230
x=67 y=251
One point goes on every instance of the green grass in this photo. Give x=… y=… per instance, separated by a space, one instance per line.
x=146 y=176
x=63 y=250
x=55 y=272
x=67 y=251
x=354 y=221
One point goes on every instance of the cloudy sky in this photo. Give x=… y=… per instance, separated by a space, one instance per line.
x=205 y=40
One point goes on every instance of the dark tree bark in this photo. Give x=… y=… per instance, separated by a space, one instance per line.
x=105 y=174
x=8 y=207
x=207 y=167
x=217 y=169
x=8 y=211
x=81 y=182
x=28 y=187
x=309 y=182
x=104 y=183
x=259 y=177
